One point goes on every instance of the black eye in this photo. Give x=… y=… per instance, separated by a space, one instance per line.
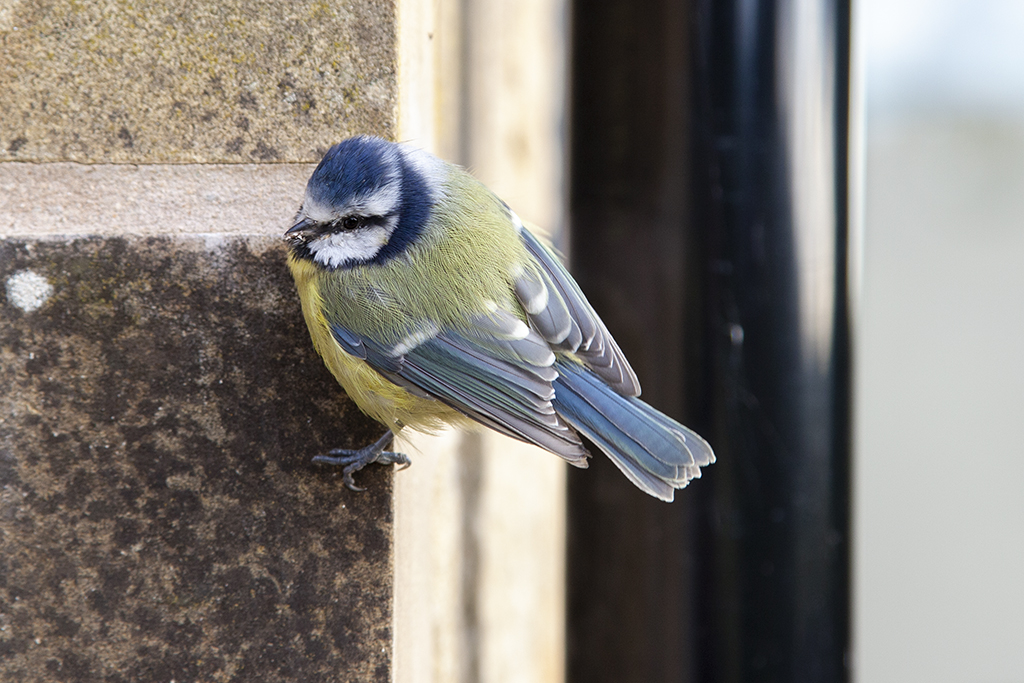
x=351 y=222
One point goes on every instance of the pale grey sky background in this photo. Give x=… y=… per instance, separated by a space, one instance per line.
x=939 y=456
x=947 y=52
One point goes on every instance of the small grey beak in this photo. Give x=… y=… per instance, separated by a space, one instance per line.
x=302 y=225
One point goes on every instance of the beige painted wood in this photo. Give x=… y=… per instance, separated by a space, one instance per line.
x=480 y=526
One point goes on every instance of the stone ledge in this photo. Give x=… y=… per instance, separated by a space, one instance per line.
x=159 y=199
x=159 y=515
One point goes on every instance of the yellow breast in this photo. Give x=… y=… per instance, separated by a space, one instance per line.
x=375 y=395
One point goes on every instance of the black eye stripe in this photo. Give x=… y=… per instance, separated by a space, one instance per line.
x=355 y=222
x=346 y=223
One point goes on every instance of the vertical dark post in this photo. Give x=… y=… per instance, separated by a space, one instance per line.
x=630 y=556
x=772 y=102
x=709 y=226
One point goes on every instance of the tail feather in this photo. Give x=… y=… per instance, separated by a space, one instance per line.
x=654 y=451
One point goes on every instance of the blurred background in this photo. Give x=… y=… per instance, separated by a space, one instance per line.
x=939 y=457
x=837 y=305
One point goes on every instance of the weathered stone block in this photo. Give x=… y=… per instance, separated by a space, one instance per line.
x=159 y=515
x=154 y=81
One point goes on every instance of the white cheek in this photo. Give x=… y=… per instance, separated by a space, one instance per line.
x=359 y=245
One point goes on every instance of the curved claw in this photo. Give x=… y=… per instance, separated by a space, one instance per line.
x=354 y=460
x=394 y=458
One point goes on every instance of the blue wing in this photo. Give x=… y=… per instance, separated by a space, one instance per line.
x=561 y=313
x=654 y=451
x=497 y=371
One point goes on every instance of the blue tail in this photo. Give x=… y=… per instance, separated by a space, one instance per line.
x=654 y=451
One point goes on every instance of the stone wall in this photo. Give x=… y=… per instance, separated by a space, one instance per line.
x=160 y=518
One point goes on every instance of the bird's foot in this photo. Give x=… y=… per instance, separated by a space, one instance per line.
x=354 y=460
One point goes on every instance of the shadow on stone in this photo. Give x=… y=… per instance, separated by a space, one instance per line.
x=159 y=515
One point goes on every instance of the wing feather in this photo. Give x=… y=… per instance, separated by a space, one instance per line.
x=590 y=340
x=491 y=373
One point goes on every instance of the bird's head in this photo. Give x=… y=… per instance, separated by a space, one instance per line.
x=366 y=202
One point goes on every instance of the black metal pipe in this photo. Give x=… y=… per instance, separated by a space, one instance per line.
x=708 y=206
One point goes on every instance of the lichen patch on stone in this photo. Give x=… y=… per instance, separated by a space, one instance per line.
x=28 y=290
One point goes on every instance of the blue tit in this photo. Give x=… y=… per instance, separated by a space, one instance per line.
x=432 y=305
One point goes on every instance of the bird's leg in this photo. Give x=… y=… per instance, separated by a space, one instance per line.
x=354 y=460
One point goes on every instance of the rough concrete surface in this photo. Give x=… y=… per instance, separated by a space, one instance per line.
x=159 y=515
x=154 y=81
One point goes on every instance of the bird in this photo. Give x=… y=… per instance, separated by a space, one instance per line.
x=434 y=305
